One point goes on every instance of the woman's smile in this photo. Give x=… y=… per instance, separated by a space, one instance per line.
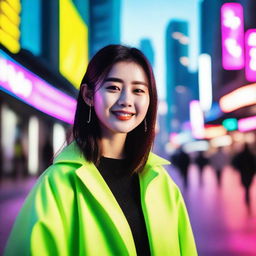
x=122 y=115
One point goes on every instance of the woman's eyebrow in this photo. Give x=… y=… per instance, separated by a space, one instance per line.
x=113 y=79
x=119 y=80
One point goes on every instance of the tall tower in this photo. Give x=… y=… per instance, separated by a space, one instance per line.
x=147 y=48
x=104 y=24
x=177 y=74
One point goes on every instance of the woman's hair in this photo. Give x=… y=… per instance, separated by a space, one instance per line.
x=87 y=135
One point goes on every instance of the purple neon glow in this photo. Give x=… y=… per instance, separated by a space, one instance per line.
x=196 y=119
x=35 y=91
x=232 y=30
x=247 y=124
x=250 y=55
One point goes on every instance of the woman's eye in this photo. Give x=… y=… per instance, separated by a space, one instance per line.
x=139 y=91
x=112 y=88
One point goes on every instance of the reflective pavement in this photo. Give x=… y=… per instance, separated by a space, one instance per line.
x=221 y=222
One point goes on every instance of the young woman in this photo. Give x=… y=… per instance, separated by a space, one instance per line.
x=105 y=193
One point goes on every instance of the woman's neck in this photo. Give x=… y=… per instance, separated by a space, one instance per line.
x=113 y=146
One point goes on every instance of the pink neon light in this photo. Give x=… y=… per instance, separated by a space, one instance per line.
x=196 y=119
x=250 y=55
x=232 y=30
x=241 y=97
x=247 y=124
x=35 y=91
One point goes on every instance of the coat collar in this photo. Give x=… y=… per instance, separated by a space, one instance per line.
x=92 y=179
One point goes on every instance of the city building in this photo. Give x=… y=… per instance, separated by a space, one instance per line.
x=178 y=91
x=104 y=24
x=41 y=66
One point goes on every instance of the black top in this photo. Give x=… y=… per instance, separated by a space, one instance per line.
x=126 y=189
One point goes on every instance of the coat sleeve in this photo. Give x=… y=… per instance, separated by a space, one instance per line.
x=39 y=228
x=186 y=238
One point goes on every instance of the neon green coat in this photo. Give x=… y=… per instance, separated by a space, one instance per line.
x=71 y=211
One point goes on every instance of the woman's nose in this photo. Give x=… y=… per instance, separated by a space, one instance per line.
x=125 y=99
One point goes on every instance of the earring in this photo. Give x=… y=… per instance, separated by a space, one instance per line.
x=90 y=114
x=145 y=125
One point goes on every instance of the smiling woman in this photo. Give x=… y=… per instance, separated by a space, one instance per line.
x=106 y=193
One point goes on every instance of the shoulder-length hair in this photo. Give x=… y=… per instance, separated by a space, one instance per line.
x=87 y=135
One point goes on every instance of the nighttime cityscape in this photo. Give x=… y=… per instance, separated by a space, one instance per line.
x=203 y=55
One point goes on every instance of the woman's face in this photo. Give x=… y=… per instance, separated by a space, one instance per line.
x=122 y=101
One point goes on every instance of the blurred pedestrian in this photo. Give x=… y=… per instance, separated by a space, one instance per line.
x=106 y=193
x=182 y=160
x=201 y=161
x=47 y=154
x=19 y=160
x=244 y=162
x=218 y=160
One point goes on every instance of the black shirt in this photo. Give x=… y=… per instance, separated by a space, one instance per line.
x=126 y=189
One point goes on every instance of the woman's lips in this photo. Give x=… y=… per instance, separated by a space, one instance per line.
x=122 y=115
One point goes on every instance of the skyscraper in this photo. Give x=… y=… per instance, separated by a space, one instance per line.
x=104 y=24
x=147 y=48
x=177 y=73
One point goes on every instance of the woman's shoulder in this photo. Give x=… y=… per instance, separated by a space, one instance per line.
x=159 y=166
x=63 y=169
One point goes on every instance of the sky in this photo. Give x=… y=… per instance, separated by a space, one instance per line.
x=149 y=19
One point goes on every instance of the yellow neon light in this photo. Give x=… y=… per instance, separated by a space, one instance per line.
x=9 y=27
x=15 y=4
x=9 y=24
x=73 y=43
x=11 y=44
x=12 y=15
x=242 y=97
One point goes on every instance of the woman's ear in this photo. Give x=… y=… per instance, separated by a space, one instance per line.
x=87 y=94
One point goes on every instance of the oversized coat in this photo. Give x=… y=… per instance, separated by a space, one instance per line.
x=72 y=211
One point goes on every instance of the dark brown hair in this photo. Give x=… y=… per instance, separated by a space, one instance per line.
x=87 y=135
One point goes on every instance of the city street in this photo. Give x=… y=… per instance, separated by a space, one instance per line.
x=220 y=220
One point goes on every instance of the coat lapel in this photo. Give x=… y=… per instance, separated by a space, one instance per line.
x=92 y=179
x=94 y=182
x=155 y=204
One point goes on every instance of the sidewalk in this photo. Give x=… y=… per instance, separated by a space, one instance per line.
x=12 y=196
x=220 y=220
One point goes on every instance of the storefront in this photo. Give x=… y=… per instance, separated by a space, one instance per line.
x=35 y=117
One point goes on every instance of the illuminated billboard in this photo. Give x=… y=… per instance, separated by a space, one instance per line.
x=232 y=30
x=247 y=124
x=196 y=119
x=26 y=86
x=241 y=97
x=250 y=55
x=9 y=25
x=73 y=43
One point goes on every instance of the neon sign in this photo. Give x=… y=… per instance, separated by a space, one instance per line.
x=212 y=131
x=250 y=55
x=196 y=119
x=232 y=36
x=24 y=85
x=247 y=124
x=230 y=124
x=9 y=24
x=205 y=81
x=242 y=97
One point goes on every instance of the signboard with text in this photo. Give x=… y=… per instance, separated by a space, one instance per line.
x=26 y=86
x=250 y=55
x=232 y=30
